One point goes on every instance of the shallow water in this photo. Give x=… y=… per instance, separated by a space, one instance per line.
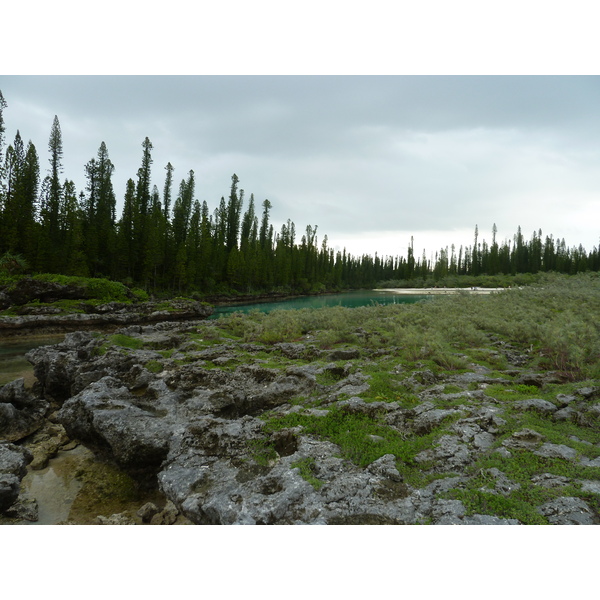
x=55 y=487
x=347 y=299
x=13 y=363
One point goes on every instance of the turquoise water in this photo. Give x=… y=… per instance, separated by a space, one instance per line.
x=348 y=299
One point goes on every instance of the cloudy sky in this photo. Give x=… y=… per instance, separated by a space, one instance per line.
x=371 y=160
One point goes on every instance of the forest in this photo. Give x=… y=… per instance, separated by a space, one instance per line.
x=165 y=241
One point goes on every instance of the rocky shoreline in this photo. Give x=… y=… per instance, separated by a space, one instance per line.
x=238 y=432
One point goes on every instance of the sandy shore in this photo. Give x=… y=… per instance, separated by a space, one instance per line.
x=427 y=291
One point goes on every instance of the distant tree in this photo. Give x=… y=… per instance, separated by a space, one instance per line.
x=167 y=191
x=142 y=207
x=234 y=207
x=99 y=214
x=3 y=105
x=56 y=168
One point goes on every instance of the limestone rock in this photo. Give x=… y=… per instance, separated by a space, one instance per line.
x=568 y=511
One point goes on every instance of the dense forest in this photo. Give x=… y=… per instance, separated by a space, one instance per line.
x=165 y=240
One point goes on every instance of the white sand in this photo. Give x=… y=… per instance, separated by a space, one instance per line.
x=426 y=291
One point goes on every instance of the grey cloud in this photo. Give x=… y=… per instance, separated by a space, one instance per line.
x=351 y=154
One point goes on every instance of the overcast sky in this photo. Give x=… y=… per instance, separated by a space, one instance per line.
x=370 y=160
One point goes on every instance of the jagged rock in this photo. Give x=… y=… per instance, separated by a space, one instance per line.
x=167 y=516
x=13 y=467
x=128 y=314
x=21 y=413
x=537 y=404
x=116 y=519
x=147 y=511
x=488 y=520
x=557 y=451
x=344 y=354
x=568 y=511
x=565 y=399
x=565 y=414
x=525 y=438
x=589 y=462
x=45 y=443
x=503 y=485
x=25 y=509
x=200 y=433
x=105 y=416
x=430 y=419
x=593 y=487
x=549 y=480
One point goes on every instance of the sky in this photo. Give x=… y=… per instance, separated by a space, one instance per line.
x=370 y=160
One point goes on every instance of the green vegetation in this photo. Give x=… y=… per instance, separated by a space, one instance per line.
x=307 y=471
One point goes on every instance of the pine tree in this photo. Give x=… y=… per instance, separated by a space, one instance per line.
x=55 y=191
x=3 y=105
x=142 y=208
x=234 y=207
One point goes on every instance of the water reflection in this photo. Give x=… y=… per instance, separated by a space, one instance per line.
x=347 y=299
x=13 y=363
x=55 y=488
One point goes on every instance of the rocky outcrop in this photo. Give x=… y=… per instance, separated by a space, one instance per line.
x=13 y=467
x=28 y=289
x=113 y=313
x=21 y=413
x=198 y=420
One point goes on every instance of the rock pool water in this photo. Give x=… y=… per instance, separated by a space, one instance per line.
x=13 y=363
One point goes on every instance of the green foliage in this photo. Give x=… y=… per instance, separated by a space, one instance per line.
x=13 y=264
x=154 y=366
x=126 y=341
x=307 y=472
x=361 y=438
x=95 y=288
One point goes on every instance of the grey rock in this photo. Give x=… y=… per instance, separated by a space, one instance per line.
x=115 y=519
x=105 y=416
x=565 y=414
x=147 y=511
x=537 y=404
x=167 y=516
x=567 y=511
x=502 y=484
x=565 y=399
x=525 y=438
x=557 y=451
x=448 y=512
x=588 y=392
x=430 y=419
x=348 y=354
x=24 y=509
x=593 y=487
x=589 y=462
x=21 y=413
x=549 y=480
x=488 y=520
x=13 y=467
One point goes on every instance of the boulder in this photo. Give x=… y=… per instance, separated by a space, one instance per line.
x=568 y=511
x=21 y=413
x=13 y=467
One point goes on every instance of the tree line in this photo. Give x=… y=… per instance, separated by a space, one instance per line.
x=166 y=240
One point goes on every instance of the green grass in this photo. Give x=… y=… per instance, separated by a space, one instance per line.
x=126 y=341
x=363 y=440
x=307 y=472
